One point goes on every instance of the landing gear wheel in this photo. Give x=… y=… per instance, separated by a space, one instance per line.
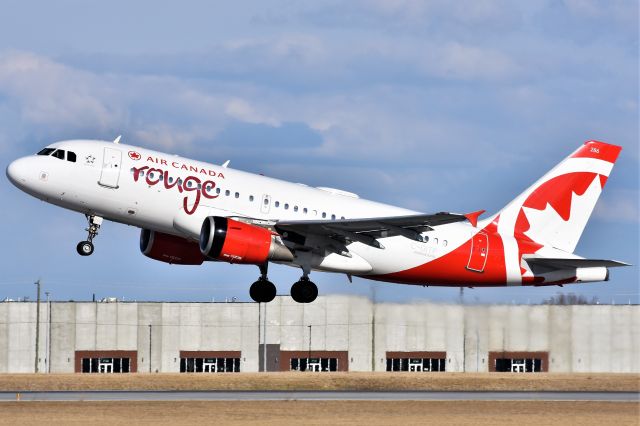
x=304 y=291
x=85 y=248
x=262 y=291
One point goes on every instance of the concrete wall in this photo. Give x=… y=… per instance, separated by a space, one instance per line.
x=595 y=338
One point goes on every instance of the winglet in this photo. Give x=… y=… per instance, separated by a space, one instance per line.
x=226 y=164
x=473 y=217
x=117 y=140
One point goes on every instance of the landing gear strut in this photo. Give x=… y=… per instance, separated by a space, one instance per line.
x=85 y=248
x=304 y=291
x=263 y=290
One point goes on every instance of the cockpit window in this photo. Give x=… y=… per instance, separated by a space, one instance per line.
x=59 y=153
x=71 y=156
x=46 y=151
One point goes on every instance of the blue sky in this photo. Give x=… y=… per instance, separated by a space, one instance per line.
x=432 y=105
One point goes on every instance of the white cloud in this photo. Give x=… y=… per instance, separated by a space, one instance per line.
x=242 y=110
x=618 y=205
x=459 y=61
x=49 y=93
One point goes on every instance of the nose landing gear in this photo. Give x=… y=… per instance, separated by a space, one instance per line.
x=263 y=290
x=85 y=248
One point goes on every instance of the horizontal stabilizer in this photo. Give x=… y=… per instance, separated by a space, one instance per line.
x=572 y=263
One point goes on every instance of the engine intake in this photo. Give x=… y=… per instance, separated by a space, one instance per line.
x=232 y=241
x=170 y=248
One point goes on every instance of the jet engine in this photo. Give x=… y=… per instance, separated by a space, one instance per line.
x=232 y=241
x=170 y=248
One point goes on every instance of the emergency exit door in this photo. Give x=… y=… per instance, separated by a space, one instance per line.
x=479 y=252
x=111 y=162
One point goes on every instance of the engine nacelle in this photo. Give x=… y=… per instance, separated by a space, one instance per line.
x=169 y=248
x=592 y=274
x=231 y=241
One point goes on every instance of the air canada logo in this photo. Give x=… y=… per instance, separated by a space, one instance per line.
x=134 y=155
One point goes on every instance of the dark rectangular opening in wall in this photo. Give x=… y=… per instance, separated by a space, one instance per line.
x=105 y=362
x=209 y=361
x=314 y=361
x=518 y=362
x=416 y=361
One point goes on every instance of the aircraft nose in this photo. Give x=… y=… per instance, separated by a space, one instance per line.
x=16 y=172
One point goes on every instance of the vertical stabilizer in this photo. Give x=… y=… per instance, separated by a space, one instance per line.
x=554 y=211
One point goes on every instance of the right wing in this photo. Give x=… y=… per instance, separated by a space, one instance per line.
x=333 y=235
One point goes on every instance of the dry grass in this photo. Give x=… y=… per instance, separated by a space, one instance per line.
x=324 y=381
x=535 y=413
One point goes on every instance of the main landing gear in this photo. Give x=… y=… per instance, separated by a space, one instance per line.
x=85 y=248
x=263 y=290
x=304 y=291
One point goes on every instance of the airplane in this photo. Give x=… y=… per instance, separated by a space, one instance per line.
x=190 y=212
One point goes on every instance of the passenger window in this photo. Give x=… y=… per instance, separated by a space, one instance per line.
x=435 y=240
x=324 y=215
x=266 y=201
x=425 y=238
x=277 y=204
x=237 y=195
x=333 y=217
x=227 y=192
x=251 y=198
x=217 y=190
x=444 y=243
x=46 y=151
x=59 y=154
x=304 y=210
x=342 y=218
x=286 y=206
x=295 y=208
x=71 y=156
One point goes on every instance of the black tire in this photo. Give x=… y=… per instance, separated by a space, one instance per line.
x=304 y=291
x=85 y=248
x=262 y=291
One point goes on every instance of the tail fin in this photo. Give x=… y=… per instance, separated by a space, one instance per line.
x=554 y=211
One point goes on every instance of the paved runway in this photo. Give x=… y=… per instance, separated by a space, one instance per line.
x=315 y=396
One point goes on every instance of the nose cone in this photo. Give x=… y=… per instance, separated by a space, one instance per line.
x=17 y=172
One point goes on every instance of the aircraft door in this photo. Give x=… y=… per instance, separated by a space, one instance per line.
x=111 y=162
x=479 y=252
x=266 y=204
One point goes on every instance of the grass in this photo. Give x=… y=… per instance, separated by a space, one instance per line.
x=324 y=381
x=534 y=413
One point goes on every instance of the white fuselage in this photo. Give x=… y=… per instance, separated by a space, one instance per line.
x=127 y=188
x=173 y=195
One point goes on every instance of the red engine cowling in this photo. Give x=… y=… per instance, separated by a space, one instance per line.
x=169 y=248
x=231 y=241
